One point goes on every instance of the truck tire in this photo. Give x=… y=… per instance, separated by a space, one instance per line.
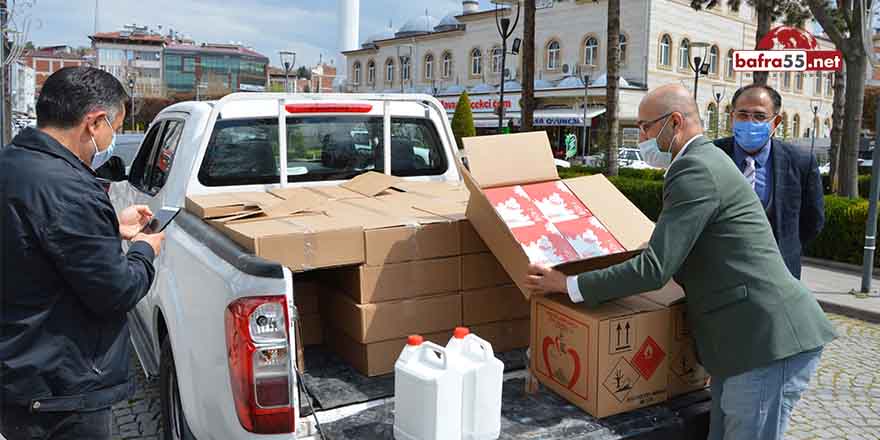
x=174 y=425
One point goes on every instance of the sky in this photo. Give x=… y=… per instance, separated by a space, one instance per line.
x=308 y=27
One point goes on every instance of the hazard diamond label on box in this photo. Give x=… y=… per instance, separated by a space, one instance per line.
x=648 y=358
x=621 y=380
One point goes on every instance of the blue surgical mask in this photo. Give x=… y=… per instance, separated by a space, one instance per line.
x=101 y=157
x=751 y=136
x=651 y=153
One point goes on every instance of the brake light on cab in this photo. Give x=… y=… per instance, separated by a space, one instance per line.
x=258 y=345
x=327 y=107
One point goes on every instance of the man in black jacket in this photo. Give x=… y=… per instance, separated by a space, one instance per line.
x=785 y=178
x=65 y=284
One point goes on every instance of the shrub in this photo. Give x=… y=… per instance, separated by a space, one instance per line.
x=843 y=237
x=463 y=120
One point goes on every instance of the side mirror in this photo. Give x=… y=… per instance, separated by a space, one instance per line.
x=113 y=170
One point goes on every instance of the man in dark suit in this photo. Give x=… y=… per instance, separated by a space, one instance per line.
x=785 y=178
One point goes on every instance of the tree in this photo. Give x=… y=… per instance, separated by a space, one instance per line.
x=869 y=108
x=768 y=11
x=528 y=66
x=845 y=25
x=837 y=127
x=463 y=120
x=612 y=92
x=304 y=72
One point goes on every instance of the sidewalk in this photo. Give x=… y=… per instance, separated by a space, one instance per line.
x=832 y=283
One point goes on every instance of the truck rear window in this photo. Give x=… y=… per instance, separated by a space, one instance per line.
x=245 y=151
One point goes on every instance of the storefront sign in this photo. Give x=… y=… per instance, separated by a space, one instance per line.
x=482 y=104
x=558 y=121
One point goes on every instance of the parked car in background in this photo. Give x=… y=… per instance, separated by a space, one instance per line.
x=632 y=158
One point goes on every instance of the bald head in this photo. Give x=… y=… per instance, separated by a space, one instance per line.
x=667 y=99
x=669 y=114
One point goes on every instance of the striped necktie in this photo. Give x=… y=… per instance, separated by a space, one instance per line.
x=749 y=171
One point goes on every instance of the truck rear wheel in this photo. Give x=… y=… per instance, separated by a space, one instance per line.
x=174 y=425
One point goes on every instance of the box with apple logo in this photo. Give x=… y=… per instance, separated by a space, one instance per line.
x=526 y=214
x=606 y=360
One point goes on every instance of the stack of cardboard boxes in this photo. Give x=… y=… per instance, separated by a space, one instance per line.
x=606 y=360
x=378 y=259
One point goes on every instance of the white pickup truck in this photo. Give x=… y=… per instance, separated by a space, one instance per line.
x=217 y=327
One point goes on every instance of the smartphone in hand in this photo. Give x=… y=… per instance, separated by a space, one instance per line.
x=161 y=220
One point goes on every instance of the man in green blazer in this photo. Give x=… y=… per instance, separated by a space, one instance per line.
x=758 y=330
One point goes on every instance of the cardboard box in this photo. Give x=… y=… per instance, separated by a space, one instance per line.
x=607 y=360
x=500 y=303
x=504 y=335
x=367 y=323
x=482 y=270
x=305 y=295
x=379 y=357
x=471 y=243
x=312 y=329
x=492 y=167
x=221 y=205
x=685 y=373
x=373 y=284
x=301 y=243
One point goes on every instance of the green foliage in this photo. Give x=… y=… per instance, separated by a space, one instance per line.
x=793 y=12
x=842 y=238
x=463 y=120
x=647 y=195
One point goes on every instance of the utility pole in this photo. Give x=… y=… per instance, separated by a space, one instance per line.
x=5 y=118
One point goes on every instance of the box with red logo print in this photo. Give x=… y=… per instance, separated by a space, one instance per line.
x=525 y=214
x=606 y=360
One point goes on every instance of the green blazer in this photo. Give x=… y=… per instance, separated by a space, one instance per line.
x=745 y=309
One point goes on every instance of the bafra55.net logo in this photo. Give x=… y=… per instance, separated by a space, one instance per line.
x=787 y=48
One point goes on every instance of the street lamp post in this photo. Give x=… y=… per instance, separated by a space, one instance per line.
x=131 y=80
x=815 y=104
x=505 y=29
x=586 y=80
x=698 y=64
x=718 y=92
x=288 y=60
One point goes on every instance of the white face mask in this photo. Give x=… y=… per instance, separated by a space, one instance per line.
x=653 y=155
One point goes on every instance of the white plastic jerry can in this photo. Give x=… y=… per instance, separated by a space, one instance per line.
x=482 y=378
x=427 y=393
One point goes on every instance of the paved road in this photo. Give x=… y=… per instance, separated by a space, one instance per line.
x=127 y=145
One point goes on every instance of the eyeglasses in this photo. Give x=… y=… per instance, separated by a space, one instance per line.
x=742 y=115
x=644 y=126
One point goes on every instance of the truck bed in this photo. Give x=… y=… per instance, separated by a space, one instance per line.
x=352 y=406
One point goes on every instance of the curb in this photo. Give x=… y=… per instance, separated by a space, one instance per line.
x=841 y=309
x=850 y=312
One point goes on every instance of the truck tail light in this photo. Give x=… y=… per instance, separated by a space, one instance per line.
x=257 y=341
x=325 y=107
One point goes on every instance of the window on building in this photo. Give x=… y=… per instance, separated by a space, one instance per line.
x=189 y=64
x=665 y=48
x=447 y=65
x=553 y=55
x=712 y=119
x=404 y=69
x=389 y=70
x=429 y=67
x=357 y=73
x=827 y=128
x=829 y=84
x=591 y=51
x=622 y=49
x=786 y=80
x=799 y=81
x=817 y=84
x=496 y=60
x=796 y=126
x=371 y=72
x=713 y=60
x=730 y=73
x=684 y=54
x=476 y=62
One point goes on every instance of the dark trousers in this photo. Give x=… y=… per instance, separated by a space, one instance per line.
x=18 y=423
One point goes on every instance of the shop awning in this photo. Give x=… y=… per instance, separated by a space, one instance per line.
x=557 y=118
